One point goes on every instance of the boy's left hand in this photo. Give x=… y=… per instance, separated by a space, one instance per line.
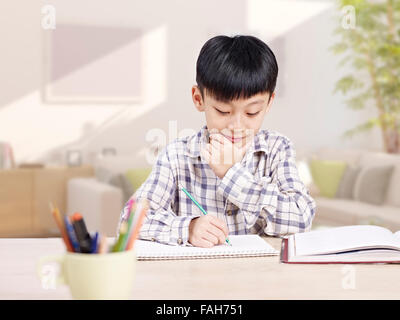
x=221 y=153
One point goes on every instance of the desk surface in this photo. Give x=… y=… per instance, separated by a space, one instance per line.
x=230 y=278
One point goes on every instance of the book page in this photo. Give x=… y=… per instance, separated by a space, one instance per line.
x=241 y=245
x=343 y=239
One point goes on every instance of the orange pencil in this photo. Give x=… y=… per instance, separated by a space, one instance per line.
x=137 y=223
x=60 y=224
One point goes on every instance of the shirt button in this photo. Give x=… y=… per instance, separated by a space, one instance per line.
x=152 y=239
x=229 y=212
x=180 y=241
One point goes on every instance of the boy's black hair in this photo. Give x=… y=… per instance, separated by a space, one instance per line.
x=236 y=67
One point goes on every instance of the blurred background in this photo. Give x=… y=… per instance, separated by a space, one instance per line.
x=90 y=91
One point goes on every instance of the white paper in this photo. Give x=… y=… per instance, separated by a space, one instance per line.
x=242 y=245
x=342 y=239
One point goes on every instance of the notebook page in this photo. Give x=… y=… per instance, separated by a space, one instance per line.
x=343 y=238
x=241 y=245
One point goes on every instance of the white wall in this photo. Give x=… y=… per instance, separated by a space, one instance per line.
x=307 y=111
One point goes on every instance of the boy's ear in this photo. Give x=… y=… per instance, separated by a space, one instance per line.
x=197 y=99
x=271 y=99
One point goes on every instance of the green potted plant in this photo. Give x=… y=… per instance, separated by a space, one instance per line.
x=372 y=47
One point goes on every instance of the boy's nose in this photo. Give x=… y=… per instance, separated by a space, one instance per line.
x=236 y=123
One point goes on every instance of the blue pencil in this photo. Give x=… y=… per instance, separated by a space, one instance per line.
x=94 y=243
x=71 y=234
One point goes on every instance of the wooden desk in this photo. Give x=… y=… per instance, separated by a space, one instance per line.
x=233 y=278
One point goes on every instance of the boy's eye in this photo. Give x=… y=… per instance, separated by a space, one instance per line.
x=253 y=114
x=221 y=112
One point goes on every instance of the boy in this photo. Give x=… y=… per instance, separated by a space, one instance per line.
x=245 y=178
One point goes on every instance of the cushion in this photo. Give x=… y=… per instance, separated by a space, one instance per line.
x=327 y=175
x=351 y=212
x=103 y=174
x=372 y=184
x=346 y=185
x=122 y=182
x=118 y=180
x=137 y=176
x=370 y=159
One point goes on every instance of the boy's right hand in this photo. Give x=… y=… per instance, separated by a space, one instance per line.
x=207 y=231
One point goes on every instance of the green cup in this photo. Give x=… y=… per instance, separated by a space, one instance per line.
x=94 y=276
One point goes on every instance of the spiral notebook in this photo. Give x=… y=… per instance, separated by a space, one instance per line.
x=242 y=246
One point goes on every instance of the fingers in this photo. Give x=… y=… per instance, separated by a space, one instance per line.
x=217 y=137
x=209 y=236
x=210 y=154
x=205 y=243
x=220 y=225
x=215 y=146
x=218 y=235
x=207 y=231
x=215 y=153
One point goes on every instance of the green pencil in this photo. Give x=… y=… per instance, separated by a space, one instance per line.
x=128 y=232
x=200 y=207
x=122 y=234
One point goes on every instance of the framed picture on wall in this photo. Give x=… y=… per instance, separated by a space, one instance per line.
x=92 y=64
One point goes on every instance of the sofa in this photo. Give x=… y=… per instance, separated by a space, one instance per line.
x=364 y=187
x=101 y=198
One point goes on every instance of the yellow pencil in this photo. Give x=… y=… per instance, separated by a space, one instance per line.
x=103 y=245
x=59 y=221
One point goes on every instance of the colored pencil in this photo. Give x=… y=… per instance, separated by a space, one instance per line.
x=200 y=207
x=94 y=243
x=123 y=234
x=137 y=223
x=125 y=238
x=60 y=224
x=122 y=231
x=103 y=245
x=84 y=239
x=71 y=234
x=130 y=205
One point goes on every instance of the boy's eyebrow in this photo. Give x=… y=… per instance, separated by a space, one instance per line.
x=253 y=102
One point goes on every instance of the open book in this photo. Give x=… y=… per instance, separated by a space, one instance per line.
x=349 y=244
x=242 y=246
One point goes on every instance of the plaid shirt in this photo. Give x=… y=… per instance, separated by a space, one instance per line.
x=262 y=194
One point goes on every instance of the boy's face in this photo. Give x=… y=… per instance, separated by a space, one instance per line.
x=238 y=120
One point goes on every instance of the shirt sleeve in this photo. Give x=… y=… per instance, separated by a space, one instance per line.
x=281 y=200
x=161 y=223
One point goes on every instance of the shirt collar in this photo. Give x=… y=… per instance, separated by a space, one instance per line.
x=195 y=142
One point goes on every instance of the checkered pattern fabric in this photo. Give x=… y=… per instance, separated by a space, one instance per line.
x=262 y=194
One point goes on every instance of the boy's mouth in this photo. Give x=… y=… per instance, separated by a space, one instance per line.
x=234 y=139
